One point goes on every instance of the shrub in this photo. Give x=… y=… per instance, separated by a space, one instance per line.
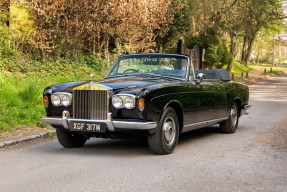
x=216 y=50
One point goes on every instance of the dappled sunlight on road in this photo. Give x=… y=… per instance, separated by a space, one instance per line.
x=270 y=90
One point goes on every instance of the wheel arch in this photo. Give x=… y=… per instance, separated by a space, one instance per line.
x=178 y=110
x=238 y=103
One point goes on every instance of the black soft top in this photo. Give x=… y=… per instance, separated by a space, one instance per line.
x=221 y=74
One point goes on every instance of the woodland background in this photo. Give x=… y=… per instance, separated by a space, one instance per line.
x=49 y=41
x=56 y=29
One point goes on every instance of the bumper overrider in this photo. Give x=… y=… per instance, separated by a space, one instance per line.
x=245 y=109
x=67 y=122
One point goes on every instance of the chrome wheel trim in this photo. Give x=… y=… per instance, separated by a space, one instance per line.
x=169 y=131
x=233 y=115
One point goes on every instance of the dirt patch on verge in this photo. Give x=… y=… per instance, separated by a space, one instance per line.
x=275 y=136
x=23 y=132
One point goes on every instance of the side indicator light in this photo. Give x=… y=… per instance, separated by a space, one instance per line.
x=46 y=101
x=141 y=104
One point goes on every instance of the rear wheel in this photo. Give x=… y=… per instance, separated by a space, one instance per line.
x=70 y=139
x=230 y=125
x=164 y=140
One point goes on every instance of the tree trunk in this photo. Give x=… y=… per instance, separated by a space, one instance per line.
x=233 y=49
x=107 y=41
x=99 y=45
x=244 y=48
x=247 y=48
x=233 y=45
x=258 y=56
x=250 y=42
x=229 y=67
x=5 y=7
x=94 y=44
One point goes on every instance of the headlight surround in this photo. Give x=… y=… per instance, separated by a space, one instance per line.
x=117 y=102
x=61 y=99
x=123 y=101
x=56 y=100
x=66 y=100
x=129 y=102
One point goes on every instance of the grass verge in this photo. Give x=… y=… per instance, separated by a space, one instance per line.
x=23 y=81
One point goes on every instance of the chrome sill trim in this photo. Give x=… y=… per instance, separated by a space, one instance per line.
x=111 y=124
x=134 y=125
x=203 y=124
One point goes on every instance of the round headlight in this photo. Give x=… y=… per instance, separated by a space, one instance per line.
x=129 y=102
x=117 y=102
x=66 y=101
x=56 y=100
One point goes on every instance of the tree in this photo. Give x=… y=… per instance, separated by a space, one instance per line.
x=260 y=14
x=95 y=26
x=5 y=11
x=178 y=16
x=216 y=51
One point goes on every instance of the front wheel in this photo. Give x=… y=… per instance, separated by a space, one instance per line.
x=164 y=140
x=230 y=125
x=70 y=139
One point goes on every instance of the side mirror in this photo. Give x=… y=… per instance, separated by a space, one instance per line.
x=200 y=77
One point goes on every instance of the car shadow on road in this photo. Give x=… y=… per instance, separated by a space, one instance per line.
x=106 y=147
x=198 y=134
x=119 y=147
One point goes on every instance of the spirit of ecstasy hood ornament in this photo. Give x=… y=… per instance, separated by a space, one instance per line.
x=92 y=76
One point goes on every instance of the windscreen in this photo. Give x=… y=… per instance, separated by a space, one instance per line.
x=165 y=65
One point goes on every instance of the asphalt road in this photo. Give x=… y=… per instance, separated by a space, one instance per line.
x=204 y=160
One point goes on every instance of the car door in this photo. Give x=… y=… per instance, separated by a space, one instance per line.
x=211 y=94
x=204 y=101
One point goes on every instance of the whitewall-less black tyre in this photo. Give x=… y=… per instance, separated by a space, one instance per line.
x=70 y=139
x=230 y=125
x=164 y=140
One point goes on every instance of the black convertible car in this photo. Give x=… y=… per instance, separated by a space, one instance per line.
x=154 y=95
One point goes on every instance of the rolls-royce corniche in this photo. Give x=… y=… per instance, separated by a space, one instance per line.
x=154 y=95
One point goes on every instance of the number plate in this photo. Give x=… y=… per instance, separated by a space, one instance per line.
x=86 y=127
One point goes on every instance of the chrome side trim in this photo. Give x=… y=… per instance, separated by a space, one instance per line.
x=198 y=125
x=134 y=125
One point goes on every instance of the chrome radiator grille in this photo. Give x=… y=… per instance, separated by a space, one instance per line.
x=90 y=104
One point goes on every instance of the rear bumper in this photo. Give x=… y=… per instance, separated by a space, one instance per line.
x=65 y=121
x=244 y=110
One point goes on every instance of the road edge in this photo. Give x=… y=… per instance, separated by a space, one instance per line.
x=26 y=139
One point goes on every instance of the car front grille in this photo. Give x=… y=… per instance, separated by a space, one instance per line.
x=90 y=104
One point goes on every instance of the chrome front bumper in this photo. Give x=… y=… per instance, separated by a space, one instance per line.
x=111 y=125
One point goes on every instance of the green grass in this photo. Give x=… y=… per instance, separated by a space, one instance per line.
x=22 y=83
x=238 y=68
x=270 y=70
